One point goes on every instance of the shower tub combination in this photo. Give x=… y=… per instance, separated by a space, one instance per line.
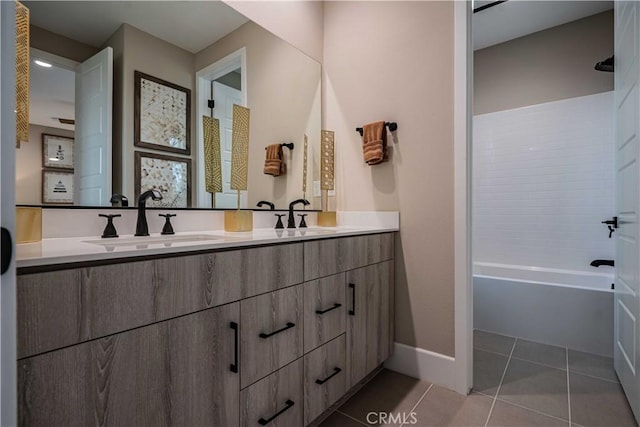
x=565 y=308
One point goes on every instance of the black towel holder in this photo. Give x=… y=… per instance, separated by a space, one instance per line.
x=393 y=126
x=289 y=145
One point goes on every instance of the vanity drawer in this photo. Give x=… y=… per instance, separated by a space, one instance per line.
x=325 y=378
x=62 y=308
x=330 y=256
x=324 y=310
x=271 y=332
x=276 y=401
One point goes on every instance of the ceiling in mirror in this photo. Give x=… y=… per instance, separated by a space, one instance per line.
x=504 y=21
x=190 y=25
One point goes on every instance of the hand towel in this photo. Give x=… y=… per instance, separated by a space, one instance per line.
x=374 y=143
x=274 y=162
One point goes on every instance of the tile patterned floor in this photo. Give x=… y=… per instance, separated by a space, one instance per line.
x=517 y=383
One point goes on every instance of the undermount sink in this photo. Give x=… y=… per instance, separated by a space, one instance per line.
x=156 y=240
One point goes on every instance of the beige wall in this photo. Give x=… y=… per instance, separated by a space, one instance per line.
x=367 y=46
x=29 y=165
x=47 y=41
x=283 y=93
x=545 y=66
x=298 y=22
x=135 y=50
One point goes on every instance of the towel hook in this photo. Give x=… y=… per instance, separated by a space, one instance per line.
x=289 y=145
x=393 y=126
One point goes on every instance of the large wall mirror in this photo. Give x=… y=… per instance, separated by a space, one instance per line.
x=83 y=145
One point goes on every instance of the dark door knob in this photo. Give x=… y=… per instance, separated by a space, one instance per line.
x=6 y=251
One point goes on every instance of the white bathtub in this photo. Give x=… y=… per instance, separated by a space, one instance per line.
x=567 y=308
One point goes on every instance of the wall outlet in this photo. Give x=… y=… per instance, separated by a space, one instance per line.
x=318 y=193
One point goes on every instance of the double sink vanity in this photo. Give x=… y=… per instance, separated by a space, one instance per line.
x=270 y=327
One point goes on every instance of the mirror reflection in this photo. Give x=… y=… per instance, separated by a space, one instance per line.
x=204 y=49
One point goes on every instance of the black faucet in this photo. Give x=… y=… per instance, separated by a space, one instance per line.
x=599 y=262
x=119 y=198
x=264 y=202
x=142 y=228
x=291 y=221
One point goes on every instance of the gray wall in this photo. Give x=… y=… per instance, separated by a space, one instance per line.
x=549 y=65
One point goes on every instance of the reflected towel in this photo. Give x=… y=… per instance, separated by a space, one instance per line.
x=374 y=143
x=274 y=162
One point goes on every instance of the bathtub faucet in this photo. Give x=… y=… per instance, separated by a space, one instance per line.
x=599 y=262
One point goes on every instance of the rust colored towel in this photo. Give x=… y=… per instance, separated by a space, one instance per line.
x=374 y=143
x=274 y=163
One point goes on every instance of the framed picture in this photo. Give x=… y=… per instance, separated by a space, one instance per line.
x=57 y=187
x=167 y=174
x=162 y=115
x=57 y=152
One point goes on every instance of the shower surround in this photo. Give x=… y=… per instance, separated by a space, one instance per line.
x=543 y=180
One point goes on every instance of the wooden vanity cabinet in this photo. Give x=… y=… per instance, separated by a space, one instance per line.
x=176 y=372
x=223 y=338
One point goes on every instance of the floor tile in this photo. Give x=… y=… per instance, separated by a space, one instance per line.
x=442 y=407
x=541 y=353
x=492 y=342
x=591 y=364
x=506 y=415
x=596 y=402
x=487 y=371
x=388 y=392
x=338 y=420
x=537 y=387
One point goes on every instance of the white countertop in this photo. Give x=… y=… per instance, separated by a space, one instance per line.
x=93 y=248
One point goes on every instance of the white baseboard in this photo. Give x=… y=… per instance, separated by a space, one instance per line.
x=423 y=364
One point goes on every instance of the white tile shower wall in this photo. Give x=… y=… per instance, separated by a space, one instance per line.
x=542 y=182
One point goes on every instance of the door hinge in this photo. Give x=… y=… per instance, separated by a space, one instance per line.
x=613 y=286
x=211 y=103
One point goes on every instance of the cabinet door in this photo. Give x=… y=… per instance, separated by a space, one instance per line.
x=176 y=372
x=369 y=319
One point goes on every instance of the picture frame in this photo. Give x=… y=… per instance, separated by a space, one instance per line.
x=57 y=151
x=57 y=187
x=162 y=115
x=168 y=174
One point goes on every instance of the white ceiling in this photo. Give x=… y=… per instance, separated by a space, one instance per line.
x=191 y=25
x=517 y=18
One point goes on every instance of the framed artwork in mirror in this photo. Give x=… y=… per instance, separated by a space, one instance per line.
x=57 y=152
x=57 y=187
x=167 y=174
x=162 y=115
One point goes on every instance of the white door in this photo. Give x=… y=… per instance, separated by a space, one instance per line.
x=224 y=97
x=8 y=388
x=92 y=145
x=627 y=286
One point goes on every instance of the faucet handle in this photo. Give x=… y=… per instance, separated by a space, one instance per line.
x=279 y=224
x=303 y=223
x=168 y=228
x=110 y=229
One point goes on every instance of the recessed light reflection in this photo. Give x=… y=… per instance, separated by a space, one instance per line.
x=42 y=63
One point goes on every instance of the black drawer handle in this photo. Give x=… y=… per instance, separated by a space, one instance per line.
x=336 y=371
x=234 y=365
x=352 y=286
x=7 y=250
x=336 y=305
x=264 y=422
x=289 y=326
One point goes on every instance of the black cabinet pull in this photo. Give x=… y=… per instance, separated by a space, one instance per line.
x=234 y=365
x=264 y=422
x=336 y=305
x=289 y=326
x=336 y=371
x=352 y=286
x=7 y=250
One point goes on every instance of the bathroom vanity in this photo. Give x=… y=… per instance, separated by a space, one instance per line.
x=245 y=333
